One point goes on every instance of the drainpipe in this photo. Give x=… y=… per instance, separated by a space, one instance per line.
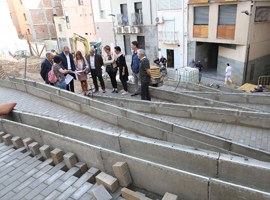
x=251 y=13
x=151 y=14
x=183 y=34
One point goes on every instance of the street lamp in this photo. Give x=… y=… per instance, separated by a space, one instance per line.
x=114 y=34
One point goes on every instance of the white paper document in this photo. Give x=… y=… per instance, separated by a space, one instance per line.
x=68 y=79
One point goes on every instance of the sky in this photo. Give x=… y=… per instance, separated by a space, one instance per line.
x=9 y=40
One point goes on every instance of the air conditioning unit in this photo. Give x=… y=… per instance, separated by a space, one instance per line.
x=127 y=29
x=135 y=30
x=119 y=30
x=159 y=20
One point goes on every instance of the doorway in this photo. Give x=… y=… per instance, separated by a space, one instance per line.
x=170 y=58
x=207 y=53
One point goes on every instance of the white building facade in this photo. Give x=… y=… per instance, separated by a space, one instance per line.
x=172 y=31
x=135 y=21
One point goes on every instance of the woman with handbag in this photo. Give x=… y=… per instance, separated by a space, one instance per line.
x=111 y=67
x=123 y=69
x=81 y=65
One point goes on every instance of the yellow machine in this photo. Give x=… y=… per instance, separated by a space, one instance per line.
x=81 y=39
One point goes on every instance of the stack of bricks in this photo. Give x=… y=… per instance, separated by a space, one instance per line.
x=108 y=181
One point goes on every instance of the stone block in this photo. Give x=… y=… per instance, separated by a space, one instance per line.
x=101 y=193
x=108 y=181
x=7 y=139
x=1 y=136
x=26 y=142
x=130 y=195
x=70 y=160
x=17 y=142
x=45 y=151
x=169 y=196
x=122 y=173
x=34 y=148
x=82 y=166
x=94 y=171
x=57 y=155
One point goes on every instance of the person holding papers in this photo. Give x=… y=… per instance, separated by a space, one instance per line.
x=81 y=66
x=59 y=72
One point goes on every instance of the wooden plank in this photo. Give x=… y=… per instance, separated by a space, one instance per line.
x=226 y=32
x=200 y=31
x=223 y=1
x=197 y=1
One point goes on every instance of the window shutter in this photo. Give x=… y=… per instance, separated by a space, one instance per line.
x=201 y=15
x=227 y=14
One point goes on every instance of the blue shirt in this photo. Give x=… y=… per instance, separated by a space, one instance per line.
x=135 y=63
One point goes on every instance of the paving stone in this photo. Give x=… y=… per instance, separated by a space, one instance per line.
x=45 y=163
x=1 y=136
x=108 y=181
x=59 y=166
x=24 y=184
x=39 y=180
x=81 y=190
x=31 y=166
x=121 y=172
x=86 y=196
x=39 y=197
x=54 y=177
x=36 y=191
x=16 y=170
x=67 y=183
x=95 y=172
x=82 y=166
x=42 y=171
x=27 y=141
x=53 y=195
x=101 y=193
x=51 y=187
x=8 y=195
x=7 y=139
x=24 y=155
x=67 y=193
x=74 y=171
x=17 y=142
x=14 y=177
x=70 y=160
x=9 y=188
x=57 y=155
x=86 y=177
x=45 y=151
x=169 y=196
x=25 y=191
x=34 y=148
x=131 y=195
x=28 y=175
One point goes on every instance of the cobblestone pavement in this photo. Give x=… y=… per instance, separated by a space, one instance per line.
x=32 y=104
x=26 y=177
x=255 y=137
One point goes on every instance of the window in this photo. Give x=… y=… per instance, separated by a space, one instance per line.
x=80 y=2
x=60 y=27
x=127 y=44
x=262 y=14
x=138 y=7
x=141 y=42
x=137 y=17
x=169 y=4
x=201 y=15
x=24 y=16
x=67 y=19
x=124 y=13
x=227 y=15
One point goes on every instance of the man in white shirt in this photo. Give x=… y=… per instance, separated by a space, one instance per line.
x=228 y=73
x=68 y=64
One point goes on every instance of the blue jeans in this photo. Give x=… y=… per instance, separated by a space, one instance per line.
x=200 y=76
x=61 y=85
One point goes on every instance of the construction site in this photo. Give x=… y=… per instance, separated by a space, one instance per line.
x=190 y=142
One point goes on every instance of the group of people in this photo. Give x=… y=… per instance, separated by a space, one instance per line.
x=113 y=61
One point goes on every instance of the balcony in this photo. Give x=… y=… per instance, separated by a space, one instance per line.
x=168 y=37
x=137 y=19
x=122 y=20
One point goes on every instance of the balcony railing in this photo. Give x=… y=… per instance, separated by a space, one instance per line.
x=122 y=20
x=168 y=37
x=136 y=19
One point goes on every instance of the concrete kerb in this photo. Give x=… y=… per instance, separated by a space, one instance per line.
x=74 y=97
x=48 y=88
x=249 y=172
x=7 y=84
x=222 y=190
x=38 y=92
x=190 y=86
x=65 y=102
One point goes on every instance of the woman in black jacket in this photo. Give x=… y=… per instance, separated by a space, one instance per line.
x=123 y=70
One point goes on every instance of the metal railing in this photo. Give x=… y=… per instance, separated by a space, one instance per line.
x=137 y=19
x=122 y=20
x=264 y=80
x=169 y=37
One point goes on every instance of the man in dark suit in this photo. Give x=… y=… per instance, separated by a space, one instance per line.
x=95 y=63
x=46 y=66
x=68 y=64
x=145 y=75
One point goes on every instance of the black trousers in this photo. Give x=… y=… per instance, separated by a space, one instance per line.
x=112 y=75
x=70 y=86
x=124 y=82
x=145 y=94
x=94 y=78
